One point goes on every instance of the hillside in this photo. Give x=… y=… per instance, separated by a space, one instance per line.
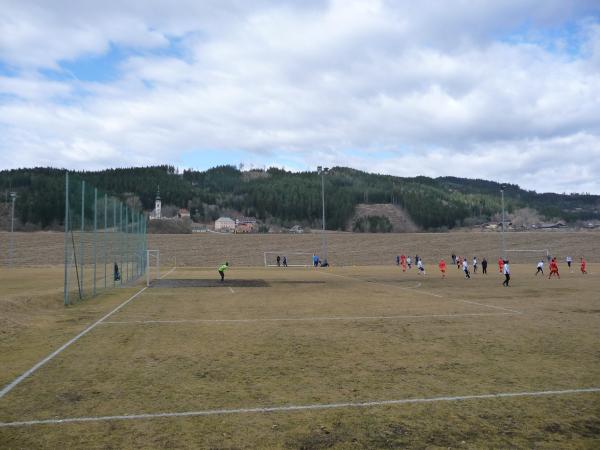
x=399 y=219
x=285 y=198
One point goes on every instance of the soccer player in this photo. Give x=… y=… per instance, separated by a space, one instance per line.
x=398 y=260
x=484 y=266
x=583 y=266
x=474 y=264
x=315 y=260
x=222 y=269
x=500 y=265
x=409 y=262
x=420 y=266
x=465 y=266
x=403 y=262
x=453 y=258
x=569 y=262
x=442 y=266
x=553 y=268
x=506 y=271
x=278 y=261
x=284 y=261
x=540 y=268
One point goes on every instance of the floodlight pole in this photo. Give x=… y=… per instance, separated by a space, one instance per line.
x=503 y=221
x=13 y=197
x=323 y=171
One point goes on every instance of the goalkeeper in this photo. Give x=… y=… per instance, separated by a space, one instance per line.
x=222 y=269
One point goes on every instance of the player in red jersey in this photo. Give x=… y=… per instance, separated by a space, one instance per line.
x=442 y=266
x=553 y=268
x=583 y=266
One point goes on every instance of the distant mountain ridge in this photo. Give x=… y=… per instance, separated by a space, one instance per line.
x=287 y=198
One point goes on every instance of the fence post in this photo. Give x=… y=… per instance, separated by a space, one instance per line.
x=113 y=239
x=81 y=252
x=122 y=239
x=95 y=238
x=66 y=289
x=105 y=243
x=127 y=240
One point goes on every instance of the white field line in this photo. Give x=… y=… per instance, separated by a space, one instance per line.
x=9 y=387
x=300 y=319
x=321 y=406
x=513 y=311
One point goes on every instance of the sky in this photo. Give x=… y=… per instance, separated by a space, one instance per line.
x=504 y=90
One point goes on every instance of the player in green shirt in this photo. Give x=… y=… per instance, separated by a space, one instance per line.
x=222 y=269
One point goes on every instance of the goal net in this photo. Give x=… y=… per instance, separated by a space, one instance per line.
x=153 y=268
x=527 y=256
x=292 y=259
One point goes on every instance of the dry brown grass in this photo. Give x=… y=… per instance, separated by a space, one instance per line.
x=210 y=249
x=125 y=368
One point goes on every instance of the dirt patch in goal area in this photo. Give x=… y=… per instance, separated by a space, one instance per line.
x=191 y=283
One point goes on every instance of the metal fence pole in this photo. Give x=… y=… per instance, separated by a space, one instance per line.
x=113 y=239
x=105 y=243
x=66 y=288
x=122 y=239
x=95 y=237
x=127 y=241
x=81 y=253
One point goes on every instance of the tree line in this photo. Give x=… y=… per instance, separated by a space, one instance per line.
x=286 y=198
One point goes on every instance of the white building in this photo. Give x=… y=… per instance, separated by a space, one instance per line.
x=224 y=224
x=157 y=214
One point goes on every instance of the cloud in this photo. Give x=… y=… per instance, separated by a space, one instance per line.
x=476 y=89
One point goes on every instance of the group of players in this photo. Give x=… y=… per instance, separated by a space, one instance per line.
x=503 y=266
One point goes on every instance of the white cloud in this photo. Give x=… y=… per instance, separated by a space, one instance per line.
x=442 y=90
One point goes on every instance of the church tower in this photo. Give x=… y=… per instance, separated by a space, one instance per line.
x=157 y=204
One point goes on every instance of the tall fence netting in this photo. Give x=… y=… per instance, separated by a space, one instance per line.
x=104 y=241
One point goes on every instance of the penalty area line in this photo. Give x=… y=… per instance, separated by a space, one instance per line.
x=9 y=387
x=303 y=319
x=288 y=408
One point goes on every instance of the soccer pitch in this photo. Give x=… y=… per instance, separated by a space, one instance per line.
x=348 y=357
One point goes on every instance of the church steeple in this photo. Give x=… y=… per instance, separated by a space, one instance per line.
x=157 y=204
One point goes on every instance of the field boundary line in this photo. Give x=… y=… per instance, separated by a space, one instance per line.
x=10 y=386
x=287 y=408
x=383 y=283
x=300 y=319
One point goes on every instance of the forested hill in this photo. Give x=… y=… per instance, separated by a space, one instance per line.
x=287 y=198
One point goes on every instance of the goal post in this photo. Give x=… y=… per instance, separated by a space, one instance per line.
x=153 y=269
x=543 y=253
x=293 y=259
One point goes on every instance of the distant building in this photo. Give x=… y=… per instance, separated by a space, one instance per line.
x=183 y=213
x=157 y=213
x=297 y=229
x=199 y=228
x=246 y=225
x=224 y=224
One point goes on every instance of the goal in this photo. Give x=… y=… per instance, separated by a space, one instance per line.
x=293 y=259
x=153 y=266
x=530 y=255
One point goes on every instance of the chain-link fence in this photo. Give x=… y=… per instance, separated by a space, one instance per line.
x=104 y=241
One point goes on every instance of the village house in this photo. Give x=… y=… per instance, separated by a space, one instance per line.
x=225 y=224
x=246 y=225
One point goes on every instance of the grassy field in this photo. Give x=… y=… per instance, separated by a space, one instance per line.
x=210 y=249
x=322 y=342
